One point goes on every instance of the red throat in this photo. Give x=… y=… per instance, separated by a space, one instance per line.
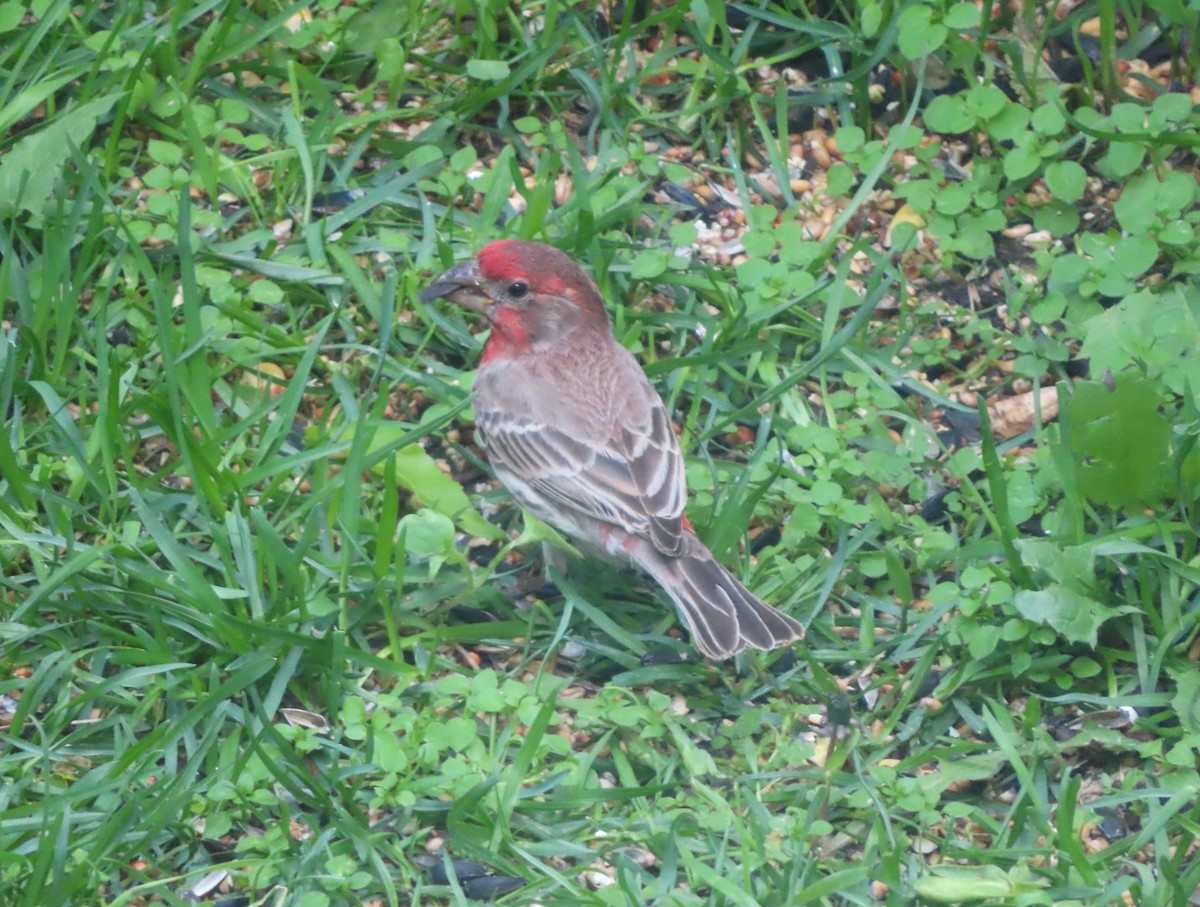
x=509 y=335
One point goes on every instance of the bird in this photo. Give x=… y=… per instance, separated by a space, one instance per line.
x=574 y=430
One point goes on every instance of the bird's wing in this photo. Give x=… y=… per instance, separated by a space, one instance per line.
x=623 y=468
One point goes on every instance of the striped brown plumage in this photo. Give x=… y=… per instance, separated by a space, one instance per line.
x=580 y=438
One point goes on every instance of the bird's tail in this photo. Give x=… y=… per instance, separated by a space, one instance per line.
x=722 y=615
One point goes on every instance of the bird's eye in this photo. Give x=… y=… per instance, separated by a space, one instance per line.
x=517 y=289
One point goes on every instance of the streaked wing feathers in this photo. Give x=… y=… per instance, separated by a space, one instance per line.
x=633 y=479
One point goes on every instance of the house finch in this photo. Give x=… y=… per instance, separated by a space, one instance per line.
x=579 y=437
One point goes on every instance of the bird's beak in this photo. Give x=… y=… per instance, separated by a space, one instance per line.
x=462 y=284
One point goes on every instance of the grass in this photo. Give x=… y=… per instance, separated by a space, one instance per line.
x=258 y=636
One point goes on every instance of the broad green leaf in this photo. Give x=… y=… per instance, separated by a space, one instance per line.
x=1172 y=107
x=31 y=95
x=488 y=70
x=949 y=114
x=29 y=169
x=955 y=884
x=1009 y=124
x=964 y=885
x=649 y=264
x=1066 y=179
x=962 y=16
x=1021 y=162
x=1135 y=255
x=987 y=101
x=1058 y=217
x=1071 y=614
x=1048 y=120
x=167 y=153
x=871 y=18
x=11 y=15
x=1122 y=159
x=429 y=536
x=419 y=473
x=1186 y=701
x=1120 y=441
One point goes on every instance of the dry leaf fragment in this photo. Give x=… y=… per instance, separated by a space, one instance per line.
x=1013 y=415
x=304 y=718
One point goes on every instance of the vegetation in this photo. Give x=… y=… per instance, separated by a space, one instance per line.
x=919 y=281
